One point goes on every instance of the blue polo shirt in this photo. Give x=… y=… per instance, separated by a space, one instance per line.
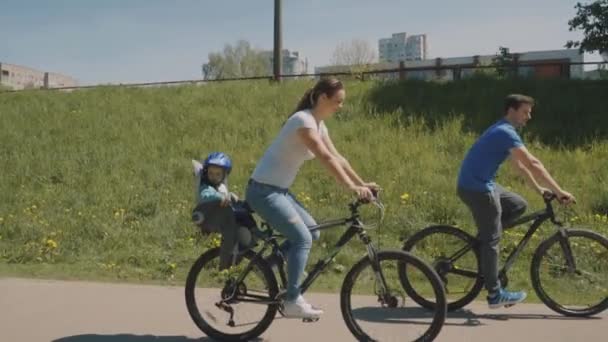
x=481 y=162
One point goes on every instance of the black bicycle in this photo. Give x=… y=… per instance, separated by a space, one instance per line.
x=569 y=270
x=240 y=303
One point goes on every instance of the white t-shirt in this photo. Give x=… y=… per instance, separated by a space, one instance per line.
x=282 y=160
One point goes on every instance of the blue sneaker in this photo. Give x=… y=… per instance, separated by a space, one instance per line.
x=505 y=298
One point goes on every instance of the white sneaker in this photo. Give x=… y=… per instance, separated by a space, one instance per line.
x=300 y=308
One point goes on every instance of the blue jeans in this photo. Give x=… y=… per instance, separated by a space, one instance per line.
x=282 y=211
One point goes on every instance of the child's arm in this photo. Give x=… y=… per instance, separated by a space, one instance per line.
x=234 y=197
x=210 y=194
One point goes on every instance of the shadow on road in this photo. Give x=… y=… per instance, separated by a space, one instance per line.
x=133 y=338
x=420 y=316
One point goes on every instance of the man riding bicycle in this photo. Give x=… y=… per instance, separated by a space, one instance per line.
x=491 y=205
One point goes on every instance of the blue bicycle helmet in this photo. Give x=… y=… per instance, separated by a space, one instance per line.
x=217 y=159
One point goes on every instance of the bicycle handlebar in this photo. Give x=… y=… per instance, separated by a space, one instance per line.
x=354 y=206
x=549 y=197
x=357 y=203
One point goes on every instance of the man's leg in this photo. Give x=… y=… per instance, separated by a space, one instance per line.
x=512 y=204
x=486 y=211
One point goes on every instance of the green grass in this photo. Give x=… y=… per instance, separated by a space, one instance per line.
x=97 y=184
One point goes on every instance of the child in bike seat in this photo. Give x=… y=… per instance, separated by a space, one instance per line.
x=214 y=172
x=217 y=209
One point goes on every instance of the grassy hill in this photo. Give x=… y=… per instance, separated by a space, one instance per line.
x=98 y=183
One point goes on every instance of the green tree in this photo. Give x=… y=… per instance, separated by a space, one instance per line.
x=240 y=60
x=593 y=20
x=504 y=62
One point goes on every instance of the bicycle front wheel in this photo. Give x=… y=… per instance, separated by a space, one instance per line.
x=570 y=273
x=225 y=309
x=372 y=296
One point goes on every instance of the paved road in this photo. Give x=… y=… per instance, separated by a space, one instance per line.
x=59 y=311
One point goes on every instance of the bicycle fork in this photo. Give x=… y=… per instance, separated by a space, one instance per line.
x=382 y=290
x=564 y=243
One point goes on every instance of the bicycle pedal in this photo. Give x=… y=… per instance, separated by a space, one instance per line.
x=310 y=320
x=509 y=305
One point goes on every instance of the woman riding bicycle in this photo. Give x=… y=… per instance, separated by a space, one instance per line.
x=303 y=136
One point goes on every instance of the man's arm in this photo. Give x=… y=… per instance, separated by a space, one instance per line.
x=527 y=175
x=537 y=170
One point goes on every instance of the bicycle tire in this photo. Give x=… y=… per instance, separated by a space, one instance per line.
x=440 y=310
x=195 y=313
x=535 y=267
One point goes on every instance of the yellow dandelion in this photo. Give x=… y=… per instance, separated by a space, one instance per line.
x=190 y=239
x=34 y=206
x=405 y=196
x=51 y=243
x=172 y=265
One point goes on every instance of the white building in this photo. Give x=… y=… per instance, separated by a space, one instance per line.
x=400 y=47
x=533 y=64
x=19 y=77
x=292 y=62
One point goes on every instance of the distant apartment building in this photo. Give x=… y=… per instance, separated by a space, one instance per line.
x=292 y=62
x=401 y=47
x=19 y=77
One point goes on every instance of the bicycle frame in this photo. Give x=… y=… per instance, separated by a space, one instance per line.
x=538 y=219
x=355 y=228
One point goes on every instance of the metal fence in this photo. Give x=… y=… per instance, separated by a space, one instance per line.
x=453 y=72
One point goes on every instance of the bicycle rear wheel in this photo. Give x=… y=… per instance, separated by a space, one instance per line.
x=368 y=305
x=225 y=310
x=570 y=274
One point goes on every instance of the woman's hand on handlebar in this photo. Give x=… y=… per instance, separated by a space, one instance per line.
x=363 y=192
x=372 y=186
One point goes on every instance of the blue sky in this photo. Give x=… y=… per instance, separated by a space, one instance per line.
x=113 y=41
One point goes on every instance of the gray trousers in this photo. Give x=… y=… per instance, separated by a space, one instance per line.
x=492 y=210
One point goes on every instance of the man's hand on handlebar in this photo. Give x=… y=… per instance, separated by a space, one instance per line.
x=562 y=197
